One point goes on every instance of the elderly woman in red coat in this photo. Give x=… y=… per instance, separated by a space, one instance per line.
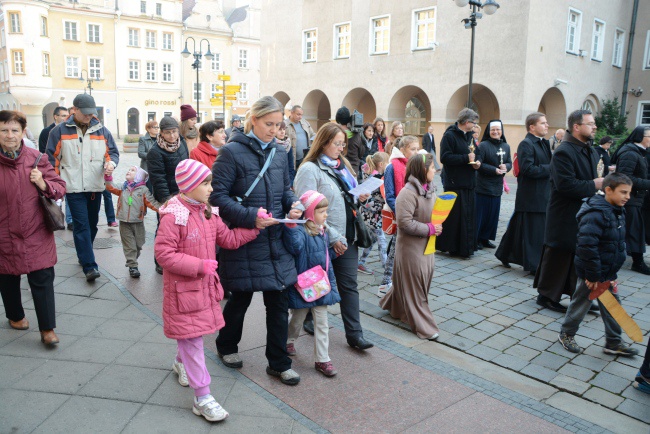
x=26 y=245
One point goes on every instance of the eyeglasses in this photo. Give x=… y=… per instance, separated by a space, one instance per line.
x=590 y=124
x=339 y=144
x=155 y=128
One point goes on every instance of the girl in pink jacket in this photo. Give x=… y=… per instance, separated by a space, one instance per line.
x=185 y=248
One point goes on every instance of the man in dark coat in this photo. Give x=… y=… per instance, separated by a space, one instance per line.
x=494 y=155
x=523 y=241
x=459 y=230
x=429 y=145
x=630 y=160
x=573 y=177
x=60 y=114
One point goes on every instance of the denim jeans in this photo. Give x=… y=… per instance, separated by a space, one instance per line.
x=579 y=307
x=108 y=206
x=85 y=214
x=68 y=214
x=645 y=366
x=277 y=325
x=381 y=246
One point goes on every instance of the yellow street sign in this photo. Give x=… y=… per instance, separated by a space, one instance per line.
x=234 y=87
x=231 y=92
x=223 y=77
x=220 y=104
x=231 y=97
x=215 y=99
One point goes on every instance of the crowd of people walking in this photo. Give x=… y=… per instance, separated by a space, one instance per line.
x=269 y=205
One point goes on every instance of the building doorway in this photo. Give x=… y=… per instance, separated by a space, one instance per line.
x=133 y=121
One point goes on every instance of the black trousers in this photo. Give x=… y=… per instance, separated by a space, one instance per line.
x=41 y=283
x=556 y=274
x=345 y=271
x=277 y=324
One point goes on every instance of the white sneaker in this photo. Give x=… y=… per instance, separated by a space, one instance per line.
x=179 y=369
x=383 y=289
x=434 y=337
x=210 y=409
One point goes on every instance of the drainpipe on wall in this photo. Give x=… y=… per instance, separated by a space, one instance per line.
x=628 y=61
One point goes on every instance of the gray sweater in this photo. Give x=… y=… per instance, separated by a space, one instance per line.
x=313 y=176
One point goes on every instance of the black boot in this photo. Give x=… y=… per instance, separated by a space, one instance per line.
x=638 y=264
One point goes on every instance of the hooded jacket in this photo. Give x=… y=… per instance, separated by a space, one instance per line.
x=25 y=243
x=132 y=204
x=264 y=264
x=79 y=158
x=600 y=251
x=454 y=151
x=185 y=238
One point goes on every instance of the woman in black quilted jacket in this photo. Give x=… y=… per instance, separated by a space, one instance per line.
x=263 y=265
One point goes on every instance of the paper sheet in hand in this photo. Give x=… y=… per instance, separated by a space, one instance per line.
x=371 y=184
x=290 y=221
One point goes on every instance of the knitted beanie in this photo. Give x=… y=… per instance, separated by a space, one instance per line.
x=187 y=112
x=167 y=123
x=310 y=200
x=189 y=174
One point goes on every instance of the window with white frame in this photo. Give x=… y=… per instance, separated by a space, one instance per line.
x=43 y=26
x=167 y=75
x=619 y=40
x=424 y=29
x=151 y=71
x=380 y=35
x=134 y=70
x=574 y=24
x=70 y=32
x=72 y=66
x=143 y=7
x=15 y=25
x=197 y=89
x=243 y=59
x=646 y=56
x=150 y=39
x=134 y=37
x=309 y=45
x=168 y=41
x=597 y=40
x=94 y=33
x=342 y=41
x=46 y=64
x=214 y=90
x=19 y=61
x=159 y=9
x=243 y=91
x=216 y=62
x=95 y=68
x=644 y=113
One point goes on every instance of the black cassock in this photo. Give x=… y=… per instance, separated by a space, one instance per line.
x=524 y=238
x=489 y=186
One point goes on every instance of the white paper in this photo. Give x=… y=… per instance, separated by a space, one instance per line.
x=371 y=184
x=290 y=221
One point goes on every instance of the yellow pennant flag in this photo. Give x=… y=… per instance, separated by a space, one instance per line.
x=441 y=209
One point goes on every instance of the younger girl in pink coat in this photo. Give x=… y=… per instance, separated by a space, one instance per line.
x=185 y=248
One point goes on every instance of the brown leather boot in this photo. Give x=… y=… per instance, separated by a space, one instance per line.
x=48 y=337
x=23 y=324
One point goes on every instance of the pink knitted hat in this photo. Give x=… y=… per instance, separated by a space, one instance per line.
x=310 y=200
x=189 y=174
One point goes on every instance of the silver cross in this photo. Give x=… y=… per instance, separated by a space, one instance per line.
x=501 y=154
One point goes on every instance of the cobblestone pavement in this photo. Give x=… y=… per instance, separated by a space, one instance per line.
x=490 y=312
x=493 y=335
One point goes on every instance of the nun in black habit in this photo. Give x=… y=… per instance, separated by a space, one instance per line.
x=524 y=238
x=630 y=159
x=494 y=154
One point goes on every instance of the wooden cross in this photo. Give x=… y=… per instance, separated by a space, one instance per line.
x=501 y=154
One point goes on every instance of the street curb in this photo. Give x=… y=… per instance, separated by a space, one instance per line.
x=268 y=396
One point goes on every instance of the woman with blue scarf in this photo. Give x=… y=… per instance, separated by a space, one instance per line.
x=327 y=171
x=248 y=200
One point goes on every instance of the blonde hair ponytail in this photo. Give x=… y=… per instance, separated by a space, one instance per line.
x=260 y=108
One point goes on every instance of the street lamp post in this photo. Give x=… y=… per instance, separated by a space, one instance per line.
x=197 y=60
x=89 y=81
x=490 y=7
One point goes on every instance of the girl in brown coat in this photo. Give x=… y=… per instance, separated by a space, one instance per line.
x=408 y=298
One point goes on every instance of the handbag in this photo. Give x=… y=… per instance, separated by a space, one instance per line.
x=52 y=213
x=388 y=221
x=314 y=283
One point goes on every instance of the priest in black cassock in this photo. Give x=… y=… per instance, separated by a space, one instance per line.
x=630 y=160
x=573 y=178
x=524 y=239
x=458 y=234
x=494 y=154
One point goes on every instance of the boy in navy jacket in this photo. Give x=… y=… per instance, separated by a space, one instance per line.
x=600 y=253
